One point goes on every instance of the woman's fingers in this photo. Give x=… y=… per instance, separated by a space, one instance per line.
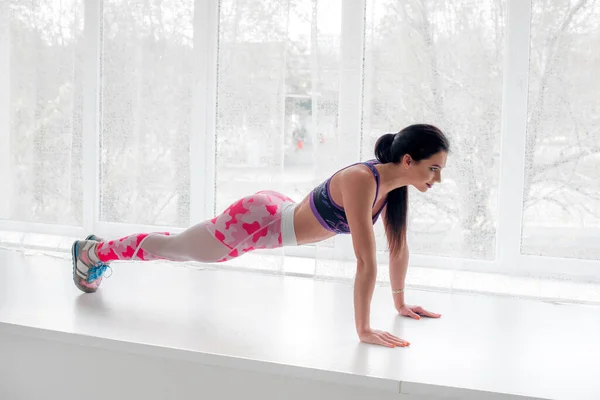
x=396 y=340
x=407 y=311
x=431 y=314
x=424 y=312
x=382 y=340
x=389 y=338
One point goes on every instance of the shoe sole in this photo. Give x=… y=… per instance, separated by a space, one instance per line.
x=77 y=278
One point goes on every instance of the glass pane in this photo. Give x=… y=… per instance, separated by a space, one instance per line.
x=146 y=111
x=277 y=96
x=441 y=63
x=562 y=190
x=41 y=79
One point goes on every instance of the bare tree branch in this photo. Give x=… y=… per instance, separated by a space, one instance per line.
x=566 y=160
x=538 y=106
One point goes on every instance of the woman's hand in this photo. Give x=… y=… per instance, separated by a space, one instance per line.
x=415 y=312
x=382 y=338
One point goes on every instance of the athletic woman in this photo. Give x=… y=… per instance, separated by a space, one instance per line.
x=348 y=202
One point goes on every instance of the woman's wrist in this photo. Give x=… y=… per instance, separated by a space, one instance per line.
x=363 y=331
x=398 y=298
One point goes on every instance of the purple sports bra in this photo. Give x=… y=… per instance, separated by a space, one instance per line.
x=329 y=214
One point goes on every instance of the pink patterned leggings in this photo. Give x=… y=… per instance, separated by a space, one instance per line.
x=251 y=223
x=263 y=220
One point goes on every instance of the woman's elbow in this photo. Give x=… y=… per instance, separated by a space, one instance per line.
x=366 y=268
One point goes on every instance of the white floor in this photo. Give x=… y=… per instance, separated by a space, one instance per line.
x=304 y=328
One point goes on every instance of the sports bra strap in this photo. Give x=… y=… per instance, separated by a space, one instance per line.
x=376 y=174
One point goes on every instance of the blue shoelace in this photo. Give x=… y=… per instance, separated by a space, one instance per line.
x=97 y=271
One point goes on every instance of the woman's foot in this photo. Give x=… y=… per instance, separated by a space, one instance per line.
x=87 y=268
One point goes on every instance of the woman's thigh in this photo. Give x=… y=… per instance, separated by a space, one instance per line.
x=251 y=223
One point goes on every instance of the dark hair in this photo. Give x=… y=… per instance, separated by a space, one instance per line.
x=420 y=141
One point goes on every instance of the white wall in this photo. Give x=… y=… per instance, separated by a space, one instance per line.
x=32 y=369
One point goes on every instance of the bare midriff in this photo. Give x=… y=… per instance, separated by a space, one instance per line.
x=306 y=226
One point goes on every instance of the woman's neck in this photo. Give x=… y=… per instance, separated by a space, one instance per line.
x=391 y=177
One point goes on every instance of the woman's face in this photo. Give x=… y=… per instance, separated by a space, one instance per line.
x=425 y=173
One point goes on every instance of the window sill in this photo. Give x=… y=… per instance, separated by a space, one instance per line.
x=483 y=347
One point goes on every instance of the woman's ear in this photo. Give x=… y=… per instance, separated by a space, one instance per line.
x=407 y=160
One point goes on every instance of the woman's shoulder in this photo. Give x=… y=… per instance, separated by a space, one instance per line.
x=366 y=165
x=361 y=168
x=358 y=176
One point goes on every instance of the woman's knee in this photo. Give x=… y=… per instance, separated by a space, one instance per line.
x=198 y=244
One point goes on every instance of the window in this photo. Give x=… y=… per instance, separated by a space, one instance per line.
x=441 y=63
x=147 y=76
x=561 y=199
x=196 y=104
x=41 y=87
x=277 y=97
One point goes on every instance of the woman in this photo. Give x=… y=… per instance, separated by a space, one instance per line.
x=350 y=201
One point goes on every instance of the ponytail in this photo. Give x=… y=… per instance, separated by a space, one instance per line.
x=383 y=148
x=395 y=219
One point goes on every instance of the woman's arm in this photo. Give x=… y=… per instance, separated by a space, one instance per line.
x=358 y=191
x=398 y=269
